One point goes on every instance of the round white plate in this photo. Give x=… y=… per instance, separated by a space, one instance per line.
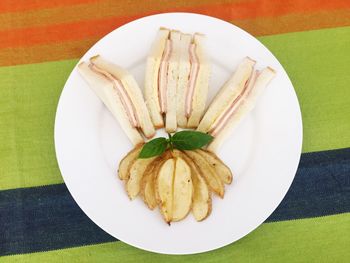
x=263 y=152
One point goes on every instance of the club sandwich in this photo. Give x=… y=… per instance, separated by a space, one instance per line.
x=121 y=94
x=235 y=100
x=176 y=80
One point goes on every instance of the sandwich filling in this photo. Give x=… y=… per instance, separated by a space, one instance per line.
x=224 y=118
x=194 y=61
x=122 y=94
x=162 y=76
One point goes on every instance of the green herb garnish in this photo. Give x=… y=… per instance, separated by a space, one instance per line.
x=154 y=147
x=183 y=140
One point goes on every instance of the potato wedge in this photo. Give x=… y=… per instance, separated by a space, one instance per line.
x=147 y=184
x=220 y=168
x=201 y=207
x=201 y=200
x=183 y=190
x=127 y=161
x=164 y=189
x=136 y=172
x=147 y=188
x=208 y=173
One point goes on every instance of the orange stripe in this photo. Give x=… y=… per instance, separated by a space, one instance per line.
x=60 y=33
x=268 y=8
x=91 y=28
x=295 y=22
x=106 y=8
x=24 y=5
x=261 y=26
x=112 y=8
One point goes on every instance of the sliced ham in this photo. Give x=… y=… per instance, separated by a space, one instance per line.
x=162 y=75
x=192 y=79
x=122 y=93
x=222 y=120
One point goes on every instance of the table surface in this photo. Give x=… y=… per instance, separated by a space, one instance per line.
x=40 y=43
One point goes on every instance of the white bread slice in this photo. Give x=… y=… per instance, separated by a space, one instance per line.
x=151 y=77
x=172 y=78
x=227 y=94
x=202 y=83
x=105 y=91
x=248 y=103
x=182 y=84
x=133 y=90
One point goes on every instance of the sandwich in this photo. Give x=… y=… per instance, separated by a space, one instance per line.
x=121 y=94
x=235 y=99
x=176 y=80
x=193 y=84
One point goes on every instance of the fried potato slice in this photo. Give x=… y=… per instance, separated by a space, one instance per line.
x=208 y=173
x=147 y=183
x=220 y=168
x=183 y=190
x=201 y=200
x=127 y=161
x=136 y=172
x=164 y=189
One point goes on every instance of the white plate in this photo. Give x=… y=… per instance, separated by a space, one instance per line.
x=263 y=151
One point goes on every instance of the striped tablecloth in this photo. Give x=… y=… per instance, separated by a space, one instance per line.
x=41 y=41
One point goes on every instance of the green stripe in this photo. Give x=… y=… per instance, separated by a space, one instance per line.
x=28 y=99
x=323 y=239
x=317 y=62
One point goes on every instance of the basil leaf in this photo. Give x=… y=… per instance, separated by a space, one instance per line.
x=190 y=140
x=154 y=147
